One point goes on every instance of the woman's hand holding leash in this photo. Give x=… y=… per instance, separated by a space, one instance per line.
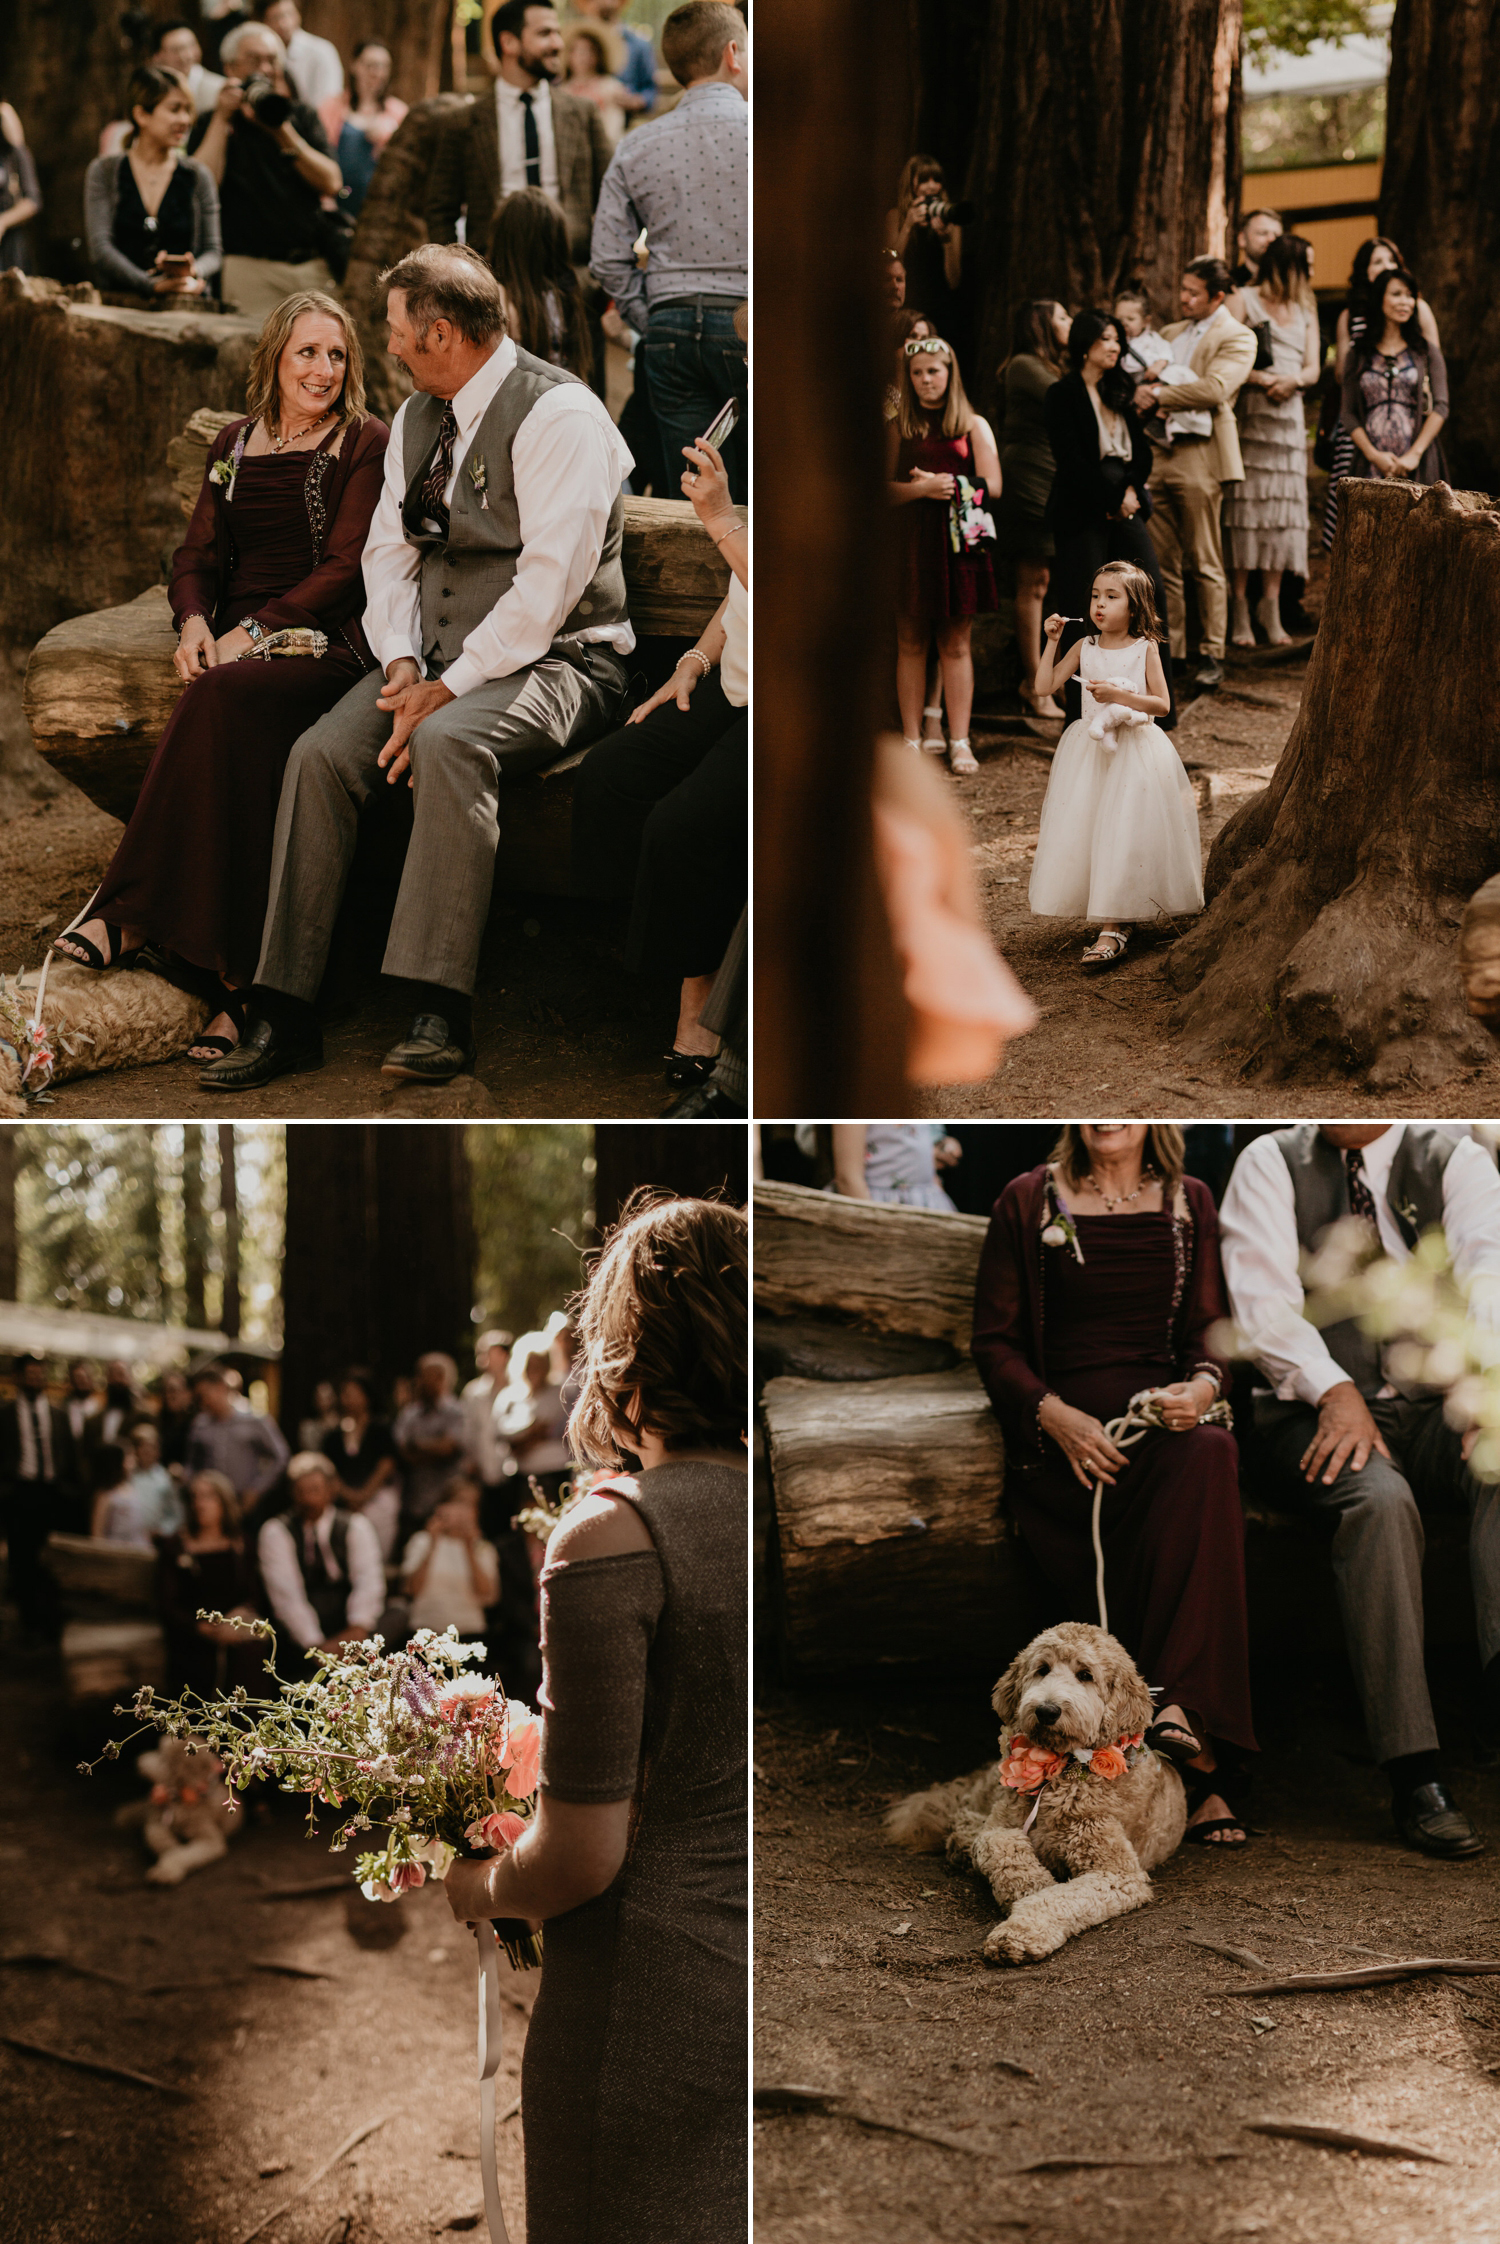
x=1083 y=1441
x=1184 y=1402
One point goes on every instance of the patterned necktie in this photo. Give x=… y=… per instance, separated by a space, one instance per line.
x=434 y=505
x=1361 y=1199
x=533 y=144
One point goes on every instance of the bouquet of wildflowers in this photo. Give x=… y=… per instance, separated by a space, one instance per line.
x=402 y=1744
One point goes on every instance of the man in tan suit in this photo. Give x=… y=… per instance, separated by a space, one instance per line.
x=1190 y=471
x=528 y=134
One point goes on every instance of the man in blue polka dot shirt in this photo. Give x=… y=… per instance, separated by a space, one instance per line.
x=685 y=179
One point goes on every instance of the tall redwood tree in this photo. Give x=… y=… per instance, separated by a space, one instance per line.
x=1440 y=199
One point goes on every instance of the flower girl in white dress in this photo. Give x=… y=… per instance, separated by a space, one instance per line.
x=1119 y=834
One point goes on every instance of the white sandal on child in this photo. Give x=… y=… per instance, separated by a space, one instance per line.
x=932 y=734
x=961 y=758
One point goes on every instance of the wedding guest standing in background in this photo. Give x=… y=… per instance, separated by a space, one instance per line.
x=151 y=213
x=935 y=439
x=360 y=120
x=1038 y=356
x=1265 y=516
x=634 y=2082
x=1396 y=389
x=20 y=196
x=1371 y=259
x=316 y=65
x=545 y=312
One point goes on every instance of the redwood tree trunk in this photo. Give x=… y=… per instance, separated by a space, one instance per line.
x=829 y=1019
x=1329 y=941
x=229 y=1208
x=379 y=1252
x=194 y=1229
x=1440 y=199
x=1105 y=149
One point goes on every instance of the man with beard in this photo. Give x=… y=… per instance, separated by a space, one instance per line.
x=531 y=135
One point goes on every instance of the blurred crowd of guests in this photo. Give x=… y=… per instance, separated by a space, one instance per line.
x=394 y=1512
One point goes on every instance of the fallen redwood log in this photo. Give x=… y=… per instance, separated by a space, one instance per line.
x=1335 y=897
x=904 y=1270
x=892 y=1543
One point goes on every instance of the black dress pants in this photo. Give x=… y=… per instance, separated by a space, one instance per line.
x=1078 y=555
x=660 y=814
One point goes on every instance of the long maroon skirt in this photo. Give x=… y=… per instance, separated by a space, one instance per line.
x=1174 y=1550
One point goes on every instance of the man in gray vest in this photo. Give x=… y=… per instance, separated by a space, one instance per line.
x=496 y=611
x=1355 y=1442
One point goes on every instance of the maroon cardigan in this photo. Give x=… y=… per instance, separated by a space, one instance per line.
x=1010 y=1339
x=331 y=597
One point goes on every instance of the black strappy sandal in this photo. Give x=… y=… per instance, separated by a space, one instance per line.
x=1203 y=1834
x=688 y=1069
x=1175 y=1742
x=205 y=1049
x=96 y=962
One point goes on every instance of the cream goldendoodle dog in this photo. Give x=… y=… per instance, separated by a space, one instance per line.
x=1076 y=1797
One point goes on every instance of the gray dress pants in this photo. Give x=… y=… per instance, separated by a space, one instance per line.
x=460 y=757
x=1377 y=1551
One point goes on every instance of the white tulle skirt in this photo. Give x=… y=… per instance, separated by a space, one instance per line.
x=1119 y=835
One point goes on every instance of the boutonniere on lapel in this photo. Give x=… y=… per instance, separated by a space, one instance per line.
x=1058 y=1229
x=1407 y=1213
x=479 y=477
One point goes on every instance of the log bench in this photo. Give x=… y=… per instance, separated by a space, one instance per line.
x=100 y=687
x=888 y=1545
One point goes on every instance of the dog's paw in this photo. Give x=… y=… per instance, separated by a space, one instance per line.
x=1019 y=1943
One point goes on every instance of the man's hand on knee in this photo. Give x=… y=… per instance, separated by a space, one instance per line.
x=1346 y=1435
x=409 y=702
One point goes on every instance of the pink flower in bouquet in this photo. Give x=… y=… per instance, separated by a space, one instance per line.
x=1027 y=1767
x=435 y=1853
x=406 y=1875
x=523 y=1750
x=466 y=1698
x=497 y=1831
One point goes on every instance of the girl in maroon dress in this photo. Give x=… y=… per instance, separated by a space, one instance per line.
x=939 y=452
x=274 y=544
x=1100 y=1276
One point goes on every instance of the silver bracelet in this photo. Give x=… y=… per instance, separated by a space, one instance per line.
x=695 y=654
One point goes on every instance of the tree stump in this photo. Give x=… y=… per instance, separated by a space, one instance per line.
x=90 y=398
x=1335 y=897
x=895 y=1270
x=893 y=1547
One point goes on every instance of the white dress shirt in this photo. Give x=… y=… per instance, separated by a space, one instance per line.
x=316 y=66
x=34 y=1425
x=281 y=1571
x=205 y=86
x=510 y=117
x=568 y=461
x=489 y=1451
x=1258 y=1236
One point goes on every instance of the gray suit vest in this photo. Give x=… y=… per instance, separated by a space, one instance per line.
x=462 y=580
x=1320 y=1190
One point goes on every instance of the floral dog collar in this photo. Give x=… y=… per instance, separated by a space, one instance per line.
x=1028 y=1767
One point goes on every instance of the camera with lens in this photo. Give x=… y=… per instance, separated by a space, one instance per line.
x=265 y=104
x=941 y=213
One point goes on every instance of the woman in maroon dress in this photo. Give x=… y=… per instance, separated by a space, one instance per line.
x=274 y=545
x=939 y=452
x=1100 y=1277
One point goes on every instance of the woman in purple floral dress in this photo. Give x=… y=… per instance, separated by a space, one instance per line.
x=1396 y=391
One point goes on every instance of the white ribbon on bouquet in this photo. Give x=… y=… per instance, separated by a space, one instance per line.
x=489 y=2066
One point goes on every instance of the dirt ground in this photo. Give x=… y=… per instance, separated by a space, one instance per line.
x=1111 y=1032
x=273 y=2072
x=1130 y=2051
x=563 y=1027
x=1130 y=2047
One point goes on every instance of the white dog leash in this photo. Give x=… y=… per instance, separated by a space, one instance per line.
x=489 y=2065
x=1144 y=1413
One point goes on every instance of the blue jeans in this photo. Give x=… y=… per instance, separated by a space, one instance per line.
x=695 y=362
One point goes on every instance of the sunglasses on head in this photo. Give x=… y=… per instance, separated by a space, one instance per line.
x=933 y=343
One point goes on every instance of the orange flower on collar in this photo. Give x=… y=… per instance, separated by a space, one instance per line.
x=1108 y=1761
x=1027 y=1767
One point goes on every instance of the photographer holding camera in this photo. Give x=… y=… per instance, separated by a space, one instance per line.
x=269 y=155
x=926 y=231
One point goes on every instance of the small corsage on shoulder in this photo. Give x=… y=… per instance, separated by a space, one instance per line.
x=1058 y=1227
x=479 y=477
x=224 y=470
